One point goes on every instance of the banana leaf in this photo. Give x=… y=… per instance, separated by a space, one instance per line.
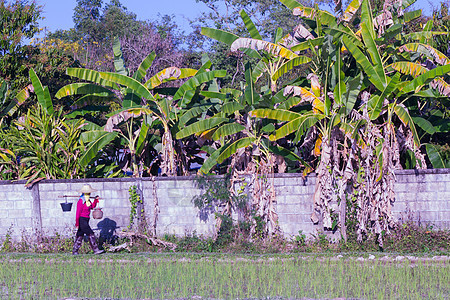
x=250 y=25
x=144 y=66
x=199 y=127
x=42 y=93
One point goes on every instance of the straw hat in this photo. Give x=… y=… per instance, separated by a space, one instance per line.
x=87 y=189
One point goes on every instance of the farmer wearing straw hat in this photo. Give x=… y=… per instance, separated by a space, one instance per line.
x=84 y=207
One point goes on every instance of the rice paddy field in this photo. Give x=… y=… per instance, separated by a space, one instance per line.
x=221 y=276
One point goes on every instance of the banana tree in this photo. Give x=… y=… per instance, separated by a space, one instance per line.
x=243 y=142
x=154 y=109
x=274 y=58
x=382 y=98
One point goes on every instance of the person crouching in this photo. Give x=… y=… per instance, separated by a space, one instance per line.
x=84 y=207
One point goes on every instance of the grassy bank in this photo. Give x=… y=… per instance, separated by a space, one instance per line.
x=137 y=276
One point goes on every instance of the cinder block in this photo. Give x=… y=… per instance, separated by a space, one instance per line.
x=19 y=213
x=284 y=190
x=444 y=216
x=181 y=184
x=443 y=178
x=166 y=184
x=25 y=205
x=61 y=187
x=6 y=188
x=399 y=206
x=44 y=187
x=293 y=199
x=186 y=219
x=279 y=182
x=301 y=189
x=20 y=223
x=74 y=187
x=14 y=196
x=406 y=197
x=429 y=216
x=5 y=223
x=19 y=188
x=404 y=178
x=426 y=196
x=6 y=204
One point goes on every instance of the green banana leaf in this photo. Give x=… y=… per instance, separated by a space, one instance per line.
x=144 y=66
x=412 y=15
x=425 y=125
x=291 y=4
x=434 y=156
x=119 y=63
x=211 y=161
x=200 y=126
x=417 y=83
x=402 y=112
x=290 y=65
x=191 y=113
x=250 y=25
x=97 y=140
x=275 y=114
x=231 y=107
x=193 y=82
x=373 y=52
x=299 y=125
x=376 y=107
x=90 y=75
x=367 y=17
x=308 y=44
x=143 y=133
x=42 y=93
x=234 y=147
x=83 y=89
x=129 y=82
x=365 y=64
x=214 y=95
x=351 y=95
x=250 y=95
x=226 y=130
x=219 y=35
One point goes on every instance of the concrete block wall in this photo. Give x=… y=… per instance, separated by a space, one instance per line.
x=177 y=215
x=16 y=208
x=294 y=196
x=423 y=194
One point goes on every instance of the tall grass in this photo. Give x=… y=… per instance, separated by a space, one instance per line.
x=162 y=277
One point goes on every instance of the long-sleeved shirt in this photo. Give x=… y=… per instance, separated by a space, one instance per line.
x=83 y=210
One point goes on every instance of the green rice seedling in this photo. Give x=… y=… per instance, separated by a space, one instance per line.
x=137 y=277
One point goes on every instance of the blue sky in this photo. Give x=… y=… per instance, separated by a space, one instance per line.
x=58 y=13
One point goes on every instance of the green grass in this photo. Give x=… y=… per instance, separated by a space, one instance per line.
x=162 y=276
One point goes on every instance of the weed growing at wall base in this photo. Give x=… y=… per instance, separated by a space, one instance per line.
x=404 y=238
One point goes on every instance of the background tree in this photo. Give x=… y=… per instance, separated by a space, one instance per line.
x=19 y=21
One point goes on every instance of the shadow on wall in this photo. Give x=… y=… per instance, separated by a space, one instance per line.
x=107 y=232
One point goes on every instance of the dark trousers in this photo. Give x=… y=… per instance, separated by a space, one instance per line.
x=84 y=228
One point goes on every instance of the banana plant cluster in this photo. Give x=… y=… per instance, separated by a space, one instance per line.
x=357 y=111
x=147 y=115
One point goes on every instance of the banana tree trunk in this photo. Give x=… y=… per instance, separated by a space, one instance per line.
x=168 y=154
